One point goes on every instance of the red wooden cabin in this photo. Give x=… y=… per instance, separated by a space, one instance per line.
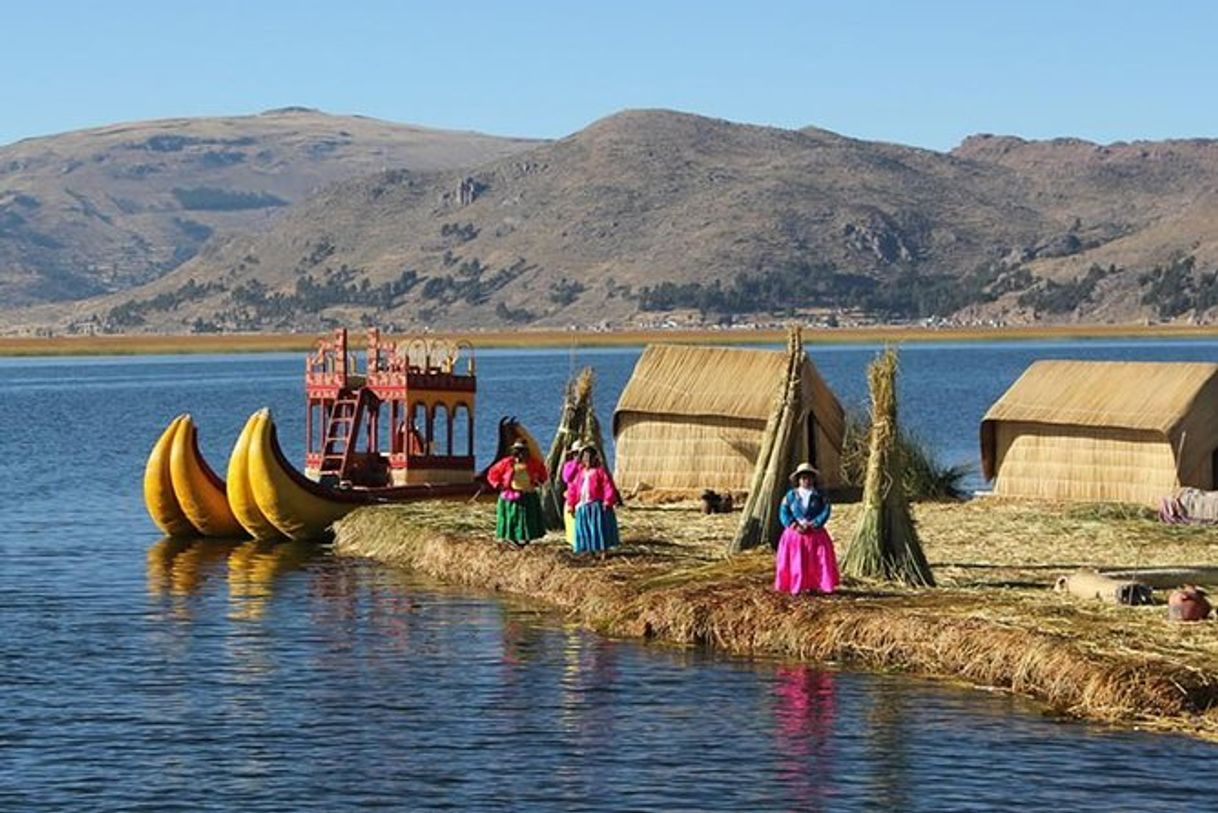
x=405 y=416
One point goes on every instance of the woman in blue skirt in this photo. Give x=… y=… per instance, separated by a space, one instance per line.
x=592 y=497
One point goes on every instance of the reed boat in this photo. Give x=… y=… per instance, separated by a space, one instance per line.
x=201 y=494
x=184 y=496
x=399 y=427
x=159 y=497
x=240 y=491
x=303 y=509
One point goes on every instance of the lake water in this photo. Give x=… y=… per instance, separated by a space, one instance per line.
x=145 y=674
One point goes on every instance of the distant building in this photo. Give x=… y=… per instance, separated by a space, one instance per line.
x=1101 y=431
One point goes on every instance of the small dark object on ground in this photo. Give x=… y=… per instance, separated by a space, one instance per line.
x=1135 y=594
x=715 y=503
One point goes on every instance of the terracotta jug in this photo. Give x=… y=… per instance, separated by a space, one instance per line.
x=1188 y=604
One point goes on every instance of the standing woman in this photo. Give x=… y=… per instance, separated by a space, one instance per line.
x=518 y=513
x=805 y=558
x=568 y=472
x=592 y=496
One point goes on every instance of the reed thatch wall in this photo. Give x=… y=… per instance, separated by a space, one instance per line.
x=1103 y=431
x=828 y=457
x=673 y=451
x=693 y=417
x=1089 y=464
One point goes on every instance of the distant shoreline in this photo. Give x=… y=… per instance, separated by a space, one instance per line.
x=145 y=344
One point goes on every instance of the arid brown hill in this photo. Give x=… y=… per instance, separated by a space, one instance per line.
x=1142 y=213
x=647 y=212
x=108 y=208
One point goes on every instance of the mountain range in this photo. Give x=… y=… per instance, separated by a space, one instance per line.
x=107 y=209
x=297 y=220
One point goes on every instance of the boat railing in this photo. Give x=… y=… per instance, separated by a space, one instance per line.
x=440 y=355
x=332 y=364
x=387 y=363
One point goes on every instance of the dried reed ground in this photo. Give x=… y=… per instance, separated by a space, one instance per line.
x=993 y=620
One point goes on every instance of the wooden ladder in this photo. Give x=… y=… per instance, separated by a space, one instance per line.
x=341 y=431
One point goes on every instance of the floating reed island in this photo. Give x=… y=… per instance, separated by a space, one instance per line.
x=992 y=620
x=958 y=590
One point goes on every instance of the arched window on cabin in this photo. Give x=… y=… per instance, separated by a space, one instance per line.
x=463 y=431
x=397 y=422
x=381 y=427
x=315 y=427
x=442 y=430
x=417 y=430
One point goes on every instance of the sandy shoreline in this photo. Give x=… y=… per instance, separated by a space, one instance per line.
x=146 y=344
x=994 y=621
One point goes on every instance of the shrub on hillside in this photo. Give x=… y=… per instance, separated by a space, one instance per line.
x=926 y=478
x=206 y=198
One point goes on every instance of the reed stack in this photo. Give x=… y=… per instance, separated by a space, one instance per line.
x=885 y=544
x=577 y=424
x=759 y=522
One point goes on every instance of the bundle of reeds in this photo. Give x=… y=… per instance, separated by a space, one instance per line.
x=577 y=423
x=759 y=522
x=885 y=544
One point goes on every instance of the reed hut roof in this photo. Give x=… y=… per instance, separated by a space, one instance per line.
x=1164 y=398
x=722 y=382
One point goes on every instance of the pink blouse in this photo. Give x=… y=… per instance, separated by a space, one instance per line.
x=598 y=484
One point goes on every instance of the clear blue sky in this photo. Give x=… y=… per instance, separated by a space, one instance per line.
x=923 y=73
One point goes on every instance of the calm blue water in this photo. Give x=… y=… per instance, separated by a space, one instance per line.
x=144 y=674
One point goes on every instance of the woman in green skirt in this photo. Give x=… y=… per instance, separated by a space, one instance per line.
x=518 y=518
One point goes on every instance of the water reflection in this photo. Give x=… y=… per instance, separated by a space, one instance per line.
x=804 y=707
x=521 y=645
x=526 y=684
x=889 y=737
x=589 y=669
x=253 y=568
x=179 y=567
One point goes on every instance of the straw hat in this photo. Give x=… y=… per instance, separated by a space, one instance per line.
x=803 y=468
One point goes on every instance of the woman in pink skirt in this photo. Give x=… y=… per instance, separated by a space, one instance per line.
x=805 y=559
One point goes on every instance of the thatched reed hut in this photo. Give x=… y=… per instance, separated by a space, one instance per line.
x=692 y=418
x=1102 y=431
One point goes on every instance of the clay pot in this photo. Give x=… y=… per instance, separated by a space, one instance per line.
x=1188 y=604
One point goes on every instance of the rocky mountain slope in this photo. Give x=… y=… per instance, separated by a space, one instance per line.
x=646 y=213
x=1142 y=243
x=108 y=208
